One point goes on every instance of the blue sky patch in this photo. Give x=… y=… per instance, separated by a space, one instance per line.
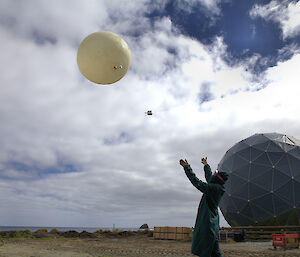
x=64 y=168
x=244 y=36
x=33 y=171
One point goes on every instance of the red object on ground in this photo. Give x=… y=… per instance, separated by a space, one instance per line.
x=286 y=240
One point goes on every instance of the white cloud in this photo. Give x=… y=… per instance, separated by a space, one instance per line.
x=285 y=12
x=291 y=26
x=63 y=20
x=210 y=5
x=52 y=117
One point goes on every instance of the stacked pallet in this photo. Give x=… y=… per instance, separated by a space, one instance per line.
x=173 y=233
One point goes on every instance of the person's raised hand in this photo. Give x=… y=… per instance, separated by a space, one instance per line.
x=184 y=163
x=204 y=160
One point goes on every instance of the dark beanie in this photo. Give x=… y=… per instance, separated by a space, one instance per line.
x=223 y=174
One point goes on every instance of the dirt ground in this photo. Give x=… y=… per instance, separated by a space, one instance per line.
x=135 y=246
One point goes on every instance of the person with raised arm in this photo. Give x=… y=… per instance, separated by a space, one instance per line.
x=205 y=236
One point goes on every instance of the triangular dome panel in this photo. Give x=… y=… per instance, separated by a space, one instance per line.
x=265 y=202
x=243 y=172
x=236 y=219
x=262 y=146
x=274 y=147
x=239 y=162
x=241 y=146
x=263 y=159
x=294 y=164
x=286 y=147
x=244 y=193
x=280 y=206
x=295 y=152
x=228 y=186
x=227 y=203
x=297 y=178
x=257 y=170
x=283 y=166
x=265 y=180
x=237 y=147
x=286 y=192
x=256 y=139
x=292 y=140
x=239 y=183
x=245 y=153
x=258 y=213
x=297 y=193
x=274 y=136
x=255 y=153
x=279 y=179
x=239 y=203
x=256 y=191
x=226 y=163
x=275 y=157
x=247 y=211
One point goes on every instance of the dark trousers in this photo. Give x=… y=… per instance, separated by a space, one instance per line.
x=216 y=252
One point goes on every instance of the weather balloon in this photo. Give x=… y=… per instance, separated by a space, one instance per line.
x=103 y=57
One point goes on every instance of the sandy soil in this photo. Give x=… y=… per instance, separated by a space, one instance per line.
x=135 y=246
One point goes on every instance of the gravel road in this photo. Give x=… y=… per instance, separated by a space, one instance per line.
x=135 y=246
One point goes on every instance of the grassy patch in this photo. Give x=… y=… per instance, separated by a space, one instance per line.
x=16 y=234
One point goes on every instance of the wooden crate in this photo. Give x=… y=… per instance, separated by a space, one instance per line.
x=172 y=233
x=180 y=236
x=171 y=230
x=157 y=229
x=171 y=236
x=164 y=229
x=156 y=235
x=186 y=230
x=162 y=236
x=179 y=230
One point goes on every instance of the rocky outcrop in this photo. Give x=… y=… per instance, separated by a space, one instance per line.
x=144 y=226
x=70 y=233
x=85 y=234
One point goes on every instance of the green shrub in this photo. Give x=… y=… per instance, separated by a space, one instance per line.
x=116 y=230
x=12 y=234
x=20 y=233
x=42 y=230
x=1 y=243
x=99 y=230
x=54 y=231
x=26 y=233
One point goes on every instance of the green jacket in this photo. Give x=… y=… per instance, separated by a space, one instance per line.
x=207 y=221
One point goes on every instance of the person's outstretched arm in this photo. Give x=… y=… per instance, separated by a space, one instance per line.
x=200 y=185
x=207 y=170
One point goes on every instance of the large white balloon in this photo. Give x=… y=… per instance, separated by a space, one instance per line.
x=103 y=57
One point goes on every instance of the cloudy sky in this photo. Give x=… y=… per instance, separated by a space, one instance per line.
x=73 y=153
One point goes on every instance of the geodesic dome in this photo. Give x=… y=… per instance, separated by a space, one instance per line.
x=263 y=187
